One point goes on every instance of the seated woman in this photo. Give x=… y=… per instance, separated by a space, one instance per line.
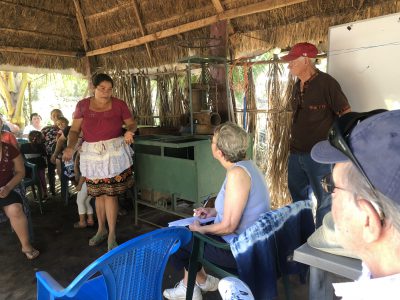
x=12 y=171
x=242 y=199
x=35 y=152
x=7 y=137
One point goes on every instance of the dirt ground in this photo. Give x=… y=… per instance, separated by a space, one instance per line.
x=65 y=251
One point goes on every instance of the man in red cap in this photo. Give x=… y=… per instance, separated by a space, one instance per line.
x=317 y=99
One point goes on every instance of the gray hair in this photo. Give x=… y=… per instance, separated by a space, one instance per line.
x=232 y=140
x=357 y=183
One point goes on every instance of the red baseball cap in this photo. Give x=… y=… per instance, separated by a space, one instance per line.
x=301 y=49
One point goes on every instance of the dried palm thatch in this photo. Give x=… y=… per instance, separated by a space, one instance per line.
x=251 y=105
x=123 y=87
x=142 y=96
x=171 y=99
x=308 y=21
x=279 y=118
x=54 y=26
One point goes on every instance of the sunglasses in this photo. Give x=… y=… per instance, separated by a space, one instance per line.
x=339 y=134
x=338 y=137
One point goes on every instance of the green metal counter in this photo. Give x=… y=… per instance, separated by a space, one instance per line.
x=181 y=166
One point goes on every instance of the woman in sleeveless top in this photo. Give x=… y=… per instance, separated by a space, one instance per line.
x=242 y=199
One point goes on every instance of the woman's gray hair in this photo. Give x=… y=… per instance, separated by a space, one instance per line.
x=232 y=140
x=357 y=183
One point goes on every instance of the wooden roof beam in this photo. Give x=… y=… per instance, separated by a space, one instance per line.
x=81 y=23
x=38 y=9
x=220 y=9
x=218 y=6
x=142 y=30
x=109 y=11
x=39 y=51
x=155 y=23
x=38 y=34
x=227 y=15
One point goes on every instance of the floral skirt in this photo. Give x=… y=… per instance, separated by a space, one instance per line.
x=107 y=167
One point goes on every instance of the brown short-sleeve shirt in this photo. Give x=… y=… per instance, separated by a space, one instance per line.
x=314 y=111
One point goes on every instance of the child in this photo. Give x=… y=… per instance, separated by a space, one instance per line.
x=35 y=152
x=62 y=124
x=82 y=198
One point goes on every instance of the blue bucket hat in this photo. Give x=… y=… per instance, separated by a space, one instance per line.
x=375 y=142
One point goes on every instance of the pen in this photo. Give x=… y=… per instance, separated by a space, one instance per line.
x=204 y=204
x=206 y=201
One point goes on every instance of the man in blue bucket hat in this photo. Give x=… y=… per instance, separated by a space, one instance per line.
x=365 y=187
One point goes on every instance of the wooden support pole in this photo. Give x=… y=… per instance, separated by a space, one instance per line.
x=82 y=25
x=218 y=6
x=142 y=30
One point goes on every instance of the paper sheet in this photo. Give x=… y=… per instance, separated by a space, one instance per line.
x=188 y=221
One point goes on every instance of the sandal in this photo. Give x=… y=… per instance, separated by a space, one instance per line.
x=97 y=239
x=79 y=225
x=90 y=224
x=112 y=245
x=31 y=254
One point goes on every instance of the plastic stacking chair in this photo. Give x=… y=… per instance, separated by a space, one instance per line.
x=263 y=252
x=22 y=141
x=33 y=181
x=133 y=270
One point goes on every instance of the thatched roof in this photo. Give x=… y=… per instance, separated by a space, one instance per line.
x=126 y=34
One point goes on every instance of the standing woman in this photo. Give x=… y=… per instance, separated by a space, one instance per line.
x=106 y=157
x=12 y=171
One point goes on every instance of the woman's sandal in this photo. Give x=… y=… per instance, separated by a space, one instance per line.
x=112 y=245
x=97 y=239
x=31 y=254
x=79 y=225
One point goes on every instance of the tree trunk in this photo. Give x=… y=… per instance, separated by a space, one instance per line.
x=12 y=90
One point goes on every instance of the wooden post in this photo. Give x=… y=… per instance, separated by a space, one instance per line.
x=218 y=72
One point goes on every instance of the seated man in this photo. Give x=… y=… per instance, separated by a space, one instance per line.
x=242 y=199
x=365 y=187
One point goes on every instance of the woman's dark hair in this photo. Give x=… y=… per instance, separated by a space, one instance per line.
x=35 y=115
x=36 y=138
x=99 y=78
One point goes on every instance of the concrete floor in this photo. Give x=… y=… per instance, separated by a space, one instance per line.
x=65 y=251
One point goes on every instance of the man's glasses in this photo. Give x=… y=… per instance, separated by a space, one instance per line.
x=328 y=184
x=329 y=187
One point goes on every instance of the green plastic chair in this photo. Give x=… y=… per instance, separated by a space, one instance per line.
x=274 y=224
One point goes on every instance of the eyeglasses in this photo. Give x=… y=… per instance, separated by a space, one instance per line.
x=328 y=184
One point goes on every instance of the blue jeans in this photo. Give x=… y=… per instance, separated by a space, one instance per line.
x=304 y=177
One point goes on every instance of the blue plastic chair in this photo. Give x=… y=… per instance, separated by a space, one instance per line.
x=134 y=270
